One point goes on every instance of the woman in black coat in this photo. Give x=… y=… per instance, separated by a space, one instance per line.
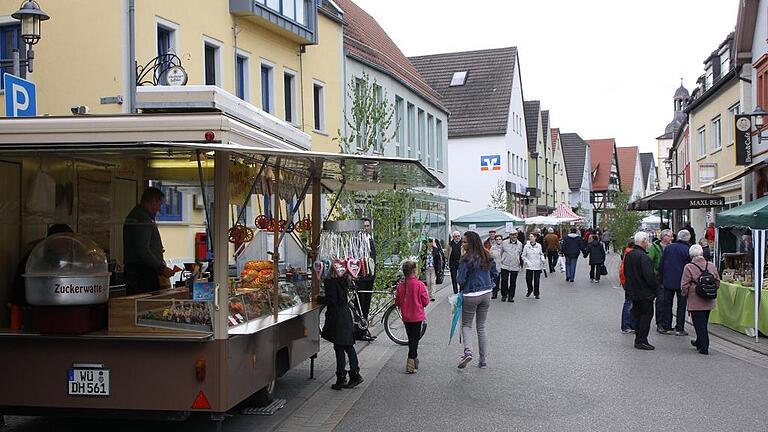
x=339 y=330
x=596 y=253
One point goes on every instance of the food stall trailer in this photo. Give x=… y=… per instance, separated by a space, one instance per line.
x=212 y=342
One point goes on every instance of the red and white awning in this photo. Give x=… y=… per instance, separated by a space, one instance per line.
x=563 y=211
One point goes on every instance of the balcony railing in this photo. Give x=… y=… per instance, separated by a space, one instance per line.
x=298 y=17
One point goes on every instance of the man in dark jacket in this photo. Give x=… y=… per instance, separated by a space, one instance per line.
x=673 y=261
x=142 y=246
x=571 y=249
x=641 y=283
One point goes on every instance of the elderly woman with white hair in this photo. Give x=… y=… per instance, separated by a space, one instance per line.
x=698 y=306
x=454 y=255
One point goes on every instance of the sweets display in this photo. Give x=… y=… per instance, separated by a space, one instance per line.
x=252 y=296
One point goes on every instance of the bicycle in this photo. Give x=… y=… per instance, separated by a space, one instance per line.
x=392 y=320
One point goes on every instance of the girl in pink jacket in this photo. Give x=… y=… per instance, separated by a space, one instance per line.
x=412 y=297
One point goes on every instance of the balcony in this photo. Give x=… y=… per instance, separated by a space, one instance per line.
x=294 y=19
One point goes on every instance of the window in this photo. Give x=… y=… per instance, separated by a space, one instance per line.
x=166 y=44
x=411 y=130
x=707 y=173
x=439 y=138
x=761 y=72
x=725 y=62
x=732 y=112
x=422 y=136
x=212 y=64
x=318 y=103
x=509 y=161
x=10 y=39
x=717 y=137
x=242 y=77
x=361 y=126
x=378 y=96
x=267 y=88
x=458 y=79
x=171 y=209
x=292 y=9
x=430 y=141
x=702 y=142
x=289 y=94
x=399 y=125
x=164 y=40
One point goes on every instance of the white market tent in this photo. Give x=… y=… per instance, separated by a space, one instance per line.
x=485 y=220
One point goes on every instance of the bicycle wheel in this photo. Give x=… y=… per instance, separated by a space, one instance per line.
x=394 y=327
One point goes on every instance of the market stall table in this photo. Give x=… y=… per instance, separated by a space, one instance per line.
x=736 y=308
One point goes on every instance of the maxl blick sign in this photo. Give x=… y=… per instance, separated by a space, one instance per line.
x=743 y=139
x=20 y=97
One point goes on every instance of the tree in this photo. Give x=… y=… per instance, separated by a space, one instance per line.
x=499 y=197
x=623 y=223
x=395 y=227
x=369 y=118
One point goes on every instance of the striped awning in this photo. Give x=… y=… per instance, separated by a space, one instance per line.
x=563 y=211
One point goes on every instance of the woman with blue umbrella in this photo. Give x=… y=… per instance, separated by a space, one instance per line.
x=476 y=274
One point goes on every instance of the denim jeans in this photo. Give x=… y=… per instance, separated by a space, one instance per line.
x=626 y=316
x=570 y=268
x=475 y=308
x=669 y=296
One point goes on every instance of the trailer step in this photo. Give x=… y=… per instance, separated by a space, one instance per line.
x=268 y=410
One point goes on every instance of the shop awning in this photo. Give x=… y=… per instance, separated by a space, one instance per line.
x=677 y=199
x=564 y=211
x=752 y=214
x=487 y=216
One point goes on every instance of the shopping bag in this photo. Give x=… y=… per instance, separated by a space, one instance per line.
x=561 y=264
x=603 y=270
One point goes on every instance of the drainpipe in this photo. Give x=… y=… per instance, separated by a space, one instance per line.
x=132 y=56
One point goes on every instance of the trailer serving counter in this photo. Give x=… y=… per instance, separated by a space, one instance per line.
x=231 y=329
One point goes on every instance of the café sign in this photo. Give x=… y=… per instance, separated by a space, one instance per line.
x=703 y=203
x=743 y=139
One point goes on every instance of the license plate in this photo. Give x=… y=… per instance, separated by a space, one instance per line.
x=88 y=382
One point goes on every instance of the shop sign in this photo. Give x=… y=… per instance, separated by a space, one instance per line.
x=704 y=203
x=743 y=139
x=176 y=76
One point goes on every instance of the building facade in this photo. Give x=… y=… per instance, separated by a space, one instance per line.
x=650 y=173
x=712 y=129
x=605 y=176
x=664 y=141
x=486 y=132
x=562 y=190
x=631 y=172
x=419 y=128
x=578 y=168
x=271 y=54
x=540 y=186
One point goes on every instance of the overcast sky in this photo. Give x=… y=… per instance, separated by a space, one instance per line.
x=604 y=68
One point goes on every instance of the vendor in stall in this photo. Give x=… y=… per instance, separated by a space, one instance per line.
x=142 y=246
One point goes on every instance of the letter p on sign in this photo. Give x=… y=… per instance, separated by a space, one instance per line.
x=20 y=97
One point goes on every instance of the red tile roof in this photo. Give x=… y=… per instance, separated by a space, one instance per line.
x=601 y=152
x=365 y=40
x=627 y=162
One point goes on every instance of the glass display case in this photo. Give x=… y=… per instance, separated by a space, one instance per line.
x=175 y=314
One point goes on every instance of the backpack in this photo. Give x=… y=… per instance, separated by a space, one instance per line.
x=706 y=285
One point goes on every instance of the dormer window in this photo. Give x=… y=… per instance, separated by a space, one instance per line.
x=459 y=78
x=725 y=62
x=710 y=77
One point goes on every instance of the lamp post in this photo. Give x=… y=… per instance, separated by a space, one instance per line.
x=30 y=16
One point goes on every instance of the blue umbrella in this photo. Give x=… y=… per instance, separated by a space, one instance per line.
x=456 y=315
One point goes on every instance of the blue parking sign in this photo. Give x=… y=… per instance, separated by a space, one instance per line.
x=20 y=97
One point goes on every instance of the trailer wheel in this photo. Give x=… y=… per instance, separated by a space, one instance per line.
x=264 y=396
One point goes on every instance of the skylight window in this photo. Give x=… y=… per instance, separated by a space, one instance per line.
x=459 y=78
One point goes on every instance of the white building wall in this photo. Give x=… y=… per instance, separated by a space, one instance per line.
x=581 y=196
x=637 y=183
x=392 y=89
x=516 y=141
x=468 y=182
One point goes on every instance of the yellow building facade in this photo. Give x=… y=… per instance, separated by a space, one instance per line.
x=286 y=61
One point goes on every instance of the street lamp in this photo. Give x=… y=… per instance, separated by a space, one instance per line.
x=759 y=115
x=30 y=16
